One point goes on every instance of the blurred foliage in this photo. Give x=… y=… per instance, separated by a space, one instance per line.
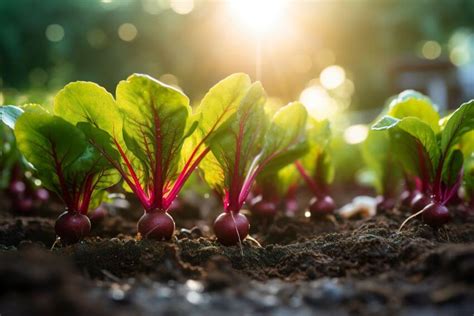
x=200 y=48
x=194 y=51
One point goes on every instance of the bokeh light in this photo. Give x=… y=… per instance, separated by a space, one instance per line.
x=54 y=32
x=127 y=32
x=332 y=77
x=431 y=49
x=356 y=134
x=182 y=6
x=318 y=102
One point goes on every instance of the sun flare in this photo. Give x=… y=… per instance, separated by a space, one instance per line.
x=258 y=16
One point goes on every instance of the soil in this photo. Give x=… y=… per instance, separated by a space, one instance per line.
x=298 y=266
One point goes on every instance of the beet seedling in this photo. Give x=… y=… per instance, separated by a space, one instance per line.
x=428 y=151
x=244 y=147
x=22 y=188
x=66 y=164
x=149 y=125
x=316 y=168
x=273 y=189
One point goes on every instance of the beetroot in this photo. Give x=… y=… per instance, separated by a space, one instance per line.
x=72 y=226
x=385 y=203
x=23 y=204
x=322 y=206
x=406 y=198
x=265 y=208
x=230 y=228
x=419 y=202
x=98 y=214
x=436 y=215
x=157 y=225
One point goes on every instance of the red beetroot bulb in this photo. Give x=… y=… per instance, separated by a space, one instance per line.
x=322 y=206
x=157 y=225
x=72 y=227
x=406 y=198
x=436 y=215
x=226 y=226
x=384 y=203
x=420 y=201
x=23 y=204
x=265 y=208
x=98 y=214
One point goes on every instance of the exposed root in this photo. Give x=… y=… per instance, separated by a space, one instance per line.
x=412 y=216
x=55 y=242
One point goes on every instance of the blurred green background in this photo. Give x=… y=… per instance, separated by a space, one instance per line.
x=341 y=58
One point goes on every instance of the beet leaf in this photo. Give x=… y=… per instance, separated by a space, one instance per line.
x=64 y=161
x=149 y=124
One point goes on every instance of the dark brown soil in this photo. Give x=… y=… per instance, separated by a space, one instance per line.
x=302 y=267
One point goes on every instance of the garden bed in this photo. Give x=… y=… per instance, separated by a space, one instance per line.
x=301 y=267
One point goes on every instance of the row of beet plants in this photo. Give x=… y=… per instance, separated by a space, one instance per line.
x=149 y=140
x=432 y=156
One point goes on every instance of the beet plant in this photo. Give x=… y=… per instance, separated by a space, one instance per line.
x=149 y=124
x=273 y=190
x=66 y=164
x=245 y=146
x=428 y=151
x=16 y=179
x=385 y=175
x=467 y=148
x=317 y=169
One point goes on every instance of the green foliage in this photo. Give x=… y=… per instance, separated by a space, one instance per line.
x=411 y=103
x=249 y=144
x=65 y=162
x=422 y=149
x=285 y=140
x=236 y=143
x=155 y=126
x=317 y=161
x=467 y=148
x=408 y=134
x=459 y=123
x=379 y=158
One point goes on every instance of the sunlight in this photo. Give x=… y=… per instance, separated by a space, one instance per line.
x=259 y=16
x=332 y=77
x=318 y=102
x=356 y=134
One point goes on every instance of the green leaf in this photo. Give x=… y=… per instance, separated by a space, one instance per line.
x=222 y=101
x=156 y=121
x=376 y=153
x=411 y=103
x=285 y=140
x=9 y=114
x=83 y=101
x=100 y=146
x=215 y=109
x=49 y=143
x=452 y=168
x=317 y=160
x=236 y=143
x=407 y=149
x=62 y=156
x=459 y=123
x=468 y=178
